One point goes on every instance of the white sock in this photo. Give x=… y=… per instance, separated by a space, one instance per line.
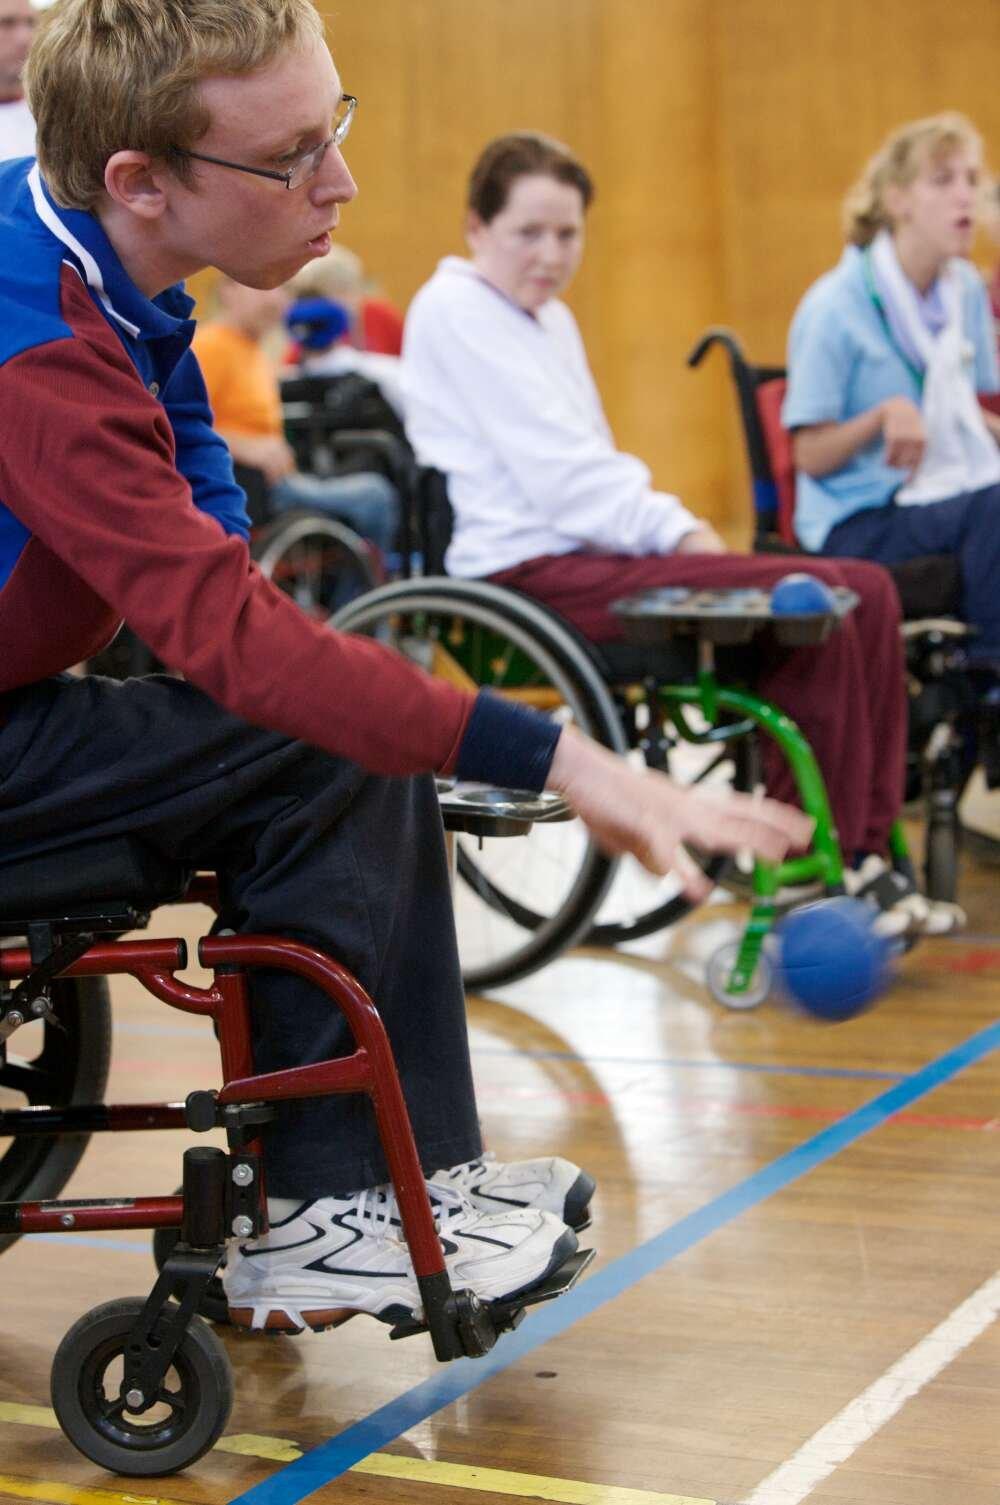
x=280 y=1208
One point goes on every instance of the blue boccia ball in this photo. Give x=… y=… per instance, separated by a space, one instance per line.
x=830 y=961
x=801 y=595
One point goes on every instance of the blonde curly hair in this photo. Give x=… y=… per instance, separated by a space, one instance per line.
x=897 y=162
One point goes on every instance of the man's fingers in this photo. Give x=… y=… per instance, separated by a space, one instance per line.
x=693 y=881
x=766 y=826
x=797 y=826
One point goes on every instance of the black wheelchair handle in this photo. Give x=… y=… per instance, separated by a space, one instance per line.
x=718 y=335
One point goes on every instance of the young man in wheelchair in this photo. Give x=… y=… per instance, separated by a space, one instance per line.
x=292 y=760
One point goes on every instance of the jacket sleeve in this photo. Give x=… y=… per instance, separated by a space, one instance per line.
x=87 y=465
x=460 y=356
x=202 y=457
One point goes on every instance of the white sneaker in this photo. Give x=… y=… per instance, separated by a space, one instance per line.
x=904 y=911
x=338 y=1256
x=551 y=1184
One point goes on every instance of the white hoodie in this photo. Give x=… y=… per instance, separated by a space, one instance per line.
x=505 y=405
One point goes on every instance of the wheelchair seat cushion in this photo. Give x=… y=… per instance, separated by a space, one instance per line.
x=120 y=868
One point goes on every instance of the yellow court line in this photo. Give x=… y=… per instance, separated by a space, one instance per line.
x=244 y=1444
x=381 y=1465
x=52 y=1493
x=498 y=1481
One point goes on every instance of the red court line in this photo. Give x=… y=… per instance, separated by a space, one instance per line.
x=974 y=961
x=725 y=1107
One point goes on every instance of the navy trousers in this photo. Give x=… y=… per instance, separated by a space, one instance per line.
x=305 y=845
x=968 y=526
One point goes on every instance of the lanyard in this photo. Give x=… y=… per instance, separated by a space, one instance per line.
x=915 y=371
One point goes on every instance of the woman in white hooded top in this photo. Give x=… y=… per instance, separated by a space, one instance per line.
x=500 y=397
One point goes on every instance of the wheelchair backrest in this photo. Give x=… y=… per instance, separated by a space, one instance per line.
x=769 y=396
x=316 y=408
x=434 y=519
x=759 y=392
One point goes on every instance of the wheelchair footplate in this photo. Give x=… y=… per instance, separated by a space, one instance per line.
x=725 y=617
x=463 y=1326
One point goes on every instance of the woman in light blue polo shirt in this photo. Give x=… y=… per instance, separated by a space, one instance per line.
x=895 y=458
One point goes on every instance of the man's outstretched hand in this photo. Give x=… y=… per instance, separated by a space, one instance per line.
x=644 y=813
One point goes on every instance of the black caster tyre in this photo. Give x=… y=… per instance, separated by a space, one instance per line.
x=213 y=1304
x=941 y=862
x=193 y=1403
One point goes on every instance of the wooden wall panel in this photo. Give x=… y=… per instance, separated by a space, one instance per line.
x=629 y=86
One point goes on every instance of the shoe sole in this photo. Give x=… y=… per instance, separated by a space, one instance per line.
x=318 y=1320
x=576 y=1208
x=322 y=1319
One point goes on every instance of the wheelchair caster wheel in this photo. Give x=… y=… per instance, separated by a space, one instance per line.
x=213 y=1304
x=941 y=862
x=191 y=1408
x=719 y=972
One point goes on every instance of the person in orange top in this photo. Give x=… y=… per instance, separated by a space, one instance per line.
x=245 y=399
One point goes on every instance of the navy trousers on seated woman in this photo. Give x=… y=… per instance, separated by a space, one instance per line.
x=967 y=526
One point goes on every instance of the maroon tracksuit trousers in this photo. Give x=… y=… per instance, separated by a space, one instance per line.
x=848 y=695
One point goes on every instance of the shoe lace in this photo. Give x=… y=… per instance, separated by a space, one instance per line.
x=378 y=1208
x=461 y=1175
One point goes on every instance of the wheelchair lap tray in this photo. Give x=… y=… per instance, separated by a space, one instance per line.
x=483 y=810
x=725 y=617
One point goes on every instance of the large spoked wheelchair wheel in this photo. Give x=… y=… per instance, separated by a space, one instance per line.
x=638 y=903
x=189 y=1412
x=53 y=1064
x=518 y=902
x=320 y=563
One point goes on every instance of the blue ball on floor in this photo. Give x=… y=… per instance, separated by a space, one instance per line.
x=830 y=961
x=800 y=595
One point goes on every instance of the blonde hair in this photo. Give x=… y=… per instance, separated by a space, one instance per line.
x=897 y=162
x=339 y=276
x=113 y=75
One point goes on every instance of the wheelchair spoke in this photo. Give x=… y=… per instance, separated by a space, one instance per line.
x=113 y=1408
x=29 y=1080
x=172 y=1398
x=724 y=756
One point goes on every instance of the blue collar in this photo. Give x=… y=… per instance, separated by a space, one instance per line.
x=83 y=235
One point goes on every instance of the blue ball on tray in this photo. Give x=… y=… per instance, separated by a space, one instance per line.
x=830 y=961
x=799 y=595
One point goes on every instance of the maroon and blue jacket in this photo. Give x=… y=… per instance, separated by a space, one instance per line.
x=117 y=502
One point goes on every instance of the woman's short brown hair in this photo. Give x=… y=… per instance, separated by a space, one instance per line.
x=522 y=154
x=897 y=162
x=113 y=75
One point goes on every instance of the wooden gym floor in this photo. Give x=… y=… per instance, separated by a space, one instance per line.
x=796 y=1290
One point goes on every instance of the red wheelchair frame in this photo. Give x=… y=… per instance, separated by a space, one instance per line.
x=224 y=1191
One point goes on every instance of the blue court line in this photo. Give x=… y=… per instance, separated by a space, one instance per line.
x=737 y=1066
x=331 y=1459
x=85 y=1241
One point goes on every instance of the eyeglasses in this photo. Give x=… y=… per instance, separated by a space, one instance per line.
x=305 y=167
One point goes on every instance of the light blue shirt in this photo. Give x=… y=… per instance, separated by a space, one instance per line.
x=841 y=362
